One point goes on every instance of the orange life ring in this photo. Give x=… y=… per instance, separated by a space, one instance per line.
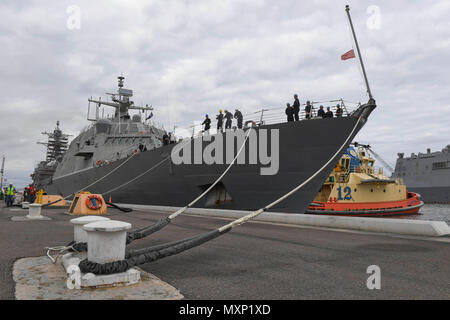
x=94 y=202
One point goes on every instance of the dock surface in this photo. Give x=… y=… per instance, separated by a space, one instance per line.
x=256 y=260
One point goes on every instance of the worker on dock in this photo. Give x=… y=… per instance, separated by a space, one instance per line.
x=289 y=112
x=10 y=192
x=219 y=119
x=296 y=107
x=239 y=117
x=32 y=190
x=206 y=123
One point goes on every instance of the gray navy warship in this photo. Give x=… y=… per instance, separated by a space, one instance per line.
x=108 y=143
x=130 y=161
x=427 y=174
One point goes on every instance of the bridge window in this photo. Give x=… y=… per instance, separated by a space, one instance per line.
x=440 y=165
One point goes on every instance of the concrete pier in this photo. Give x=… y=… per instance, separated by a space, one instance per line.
x=258 y=260
x=382 y=225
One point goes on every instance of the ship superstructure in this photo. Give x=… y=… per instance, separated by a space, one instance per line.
x=110 y=139
x=57 y=144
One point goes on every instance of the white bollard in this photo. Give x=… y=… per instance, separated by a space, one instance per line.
x=106 y=240
x=34 y=211
x=79 y=234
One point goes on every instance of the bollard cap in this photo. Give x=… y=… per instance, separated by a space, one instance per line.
x=88 y=219
x=107 y=226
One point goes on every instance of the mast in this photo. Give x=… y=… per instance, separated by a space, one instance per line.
x=57 y=143
x=121 y=101
x=347 y=8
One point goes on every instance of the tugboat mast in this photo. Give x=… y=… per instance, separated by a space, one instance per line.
x=347 y=8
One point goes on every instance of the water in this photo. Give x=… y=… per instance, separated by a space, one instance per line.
x=434 y=212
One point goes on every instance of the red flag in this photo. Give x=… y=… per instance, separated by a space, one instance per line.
x=348 y=55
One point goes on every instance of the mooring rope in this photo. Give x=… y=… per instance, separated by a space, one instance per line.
x=150 y=255
x=146 y=231
x=93 y=183
x=60 y=250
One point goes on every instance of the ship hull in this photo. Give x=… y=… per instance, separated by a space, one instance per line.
x=304 y=148
x=410 y=205
x=433 y=194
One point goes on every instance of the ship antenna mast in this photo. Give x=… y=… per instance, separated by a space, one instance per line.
x=347 y=8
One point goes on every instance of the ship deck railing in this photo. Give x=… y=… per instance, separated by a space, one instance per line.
x=370 y=171
x=267 y=115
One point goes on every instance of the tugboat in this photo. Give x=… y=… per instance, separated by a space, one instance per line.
x=356 y=188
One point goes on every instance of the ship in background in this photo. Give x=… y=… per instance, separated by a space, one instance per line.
x=57 y=144
x=427 y=174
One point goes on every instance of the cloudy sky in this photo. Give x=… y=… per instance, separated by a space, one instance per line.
x=188 y=58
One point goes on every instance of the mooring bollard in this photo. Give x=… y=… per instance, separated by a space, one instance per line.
x=106 y=240
x=79 y=234
x=34 y=211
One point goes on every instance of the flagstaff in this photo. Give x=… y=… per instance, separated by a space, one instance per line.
x=347 y=8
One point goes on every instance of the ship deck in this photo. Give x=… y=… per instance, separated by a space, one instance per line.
x=256 y=260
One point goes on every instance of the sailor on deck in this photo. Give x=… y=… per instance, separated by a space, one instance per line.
x=329 y=113
x=289 y=112
x=229 y=118
x=219 y=118
x=296 y=107
x=338 y=111
x=239 y=117
x=308 y=110
x=321 y=112
x=207 y=123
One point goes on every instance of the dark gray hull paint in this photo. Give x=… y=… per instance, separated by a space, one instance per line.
x=433 y=194
x=305 y=147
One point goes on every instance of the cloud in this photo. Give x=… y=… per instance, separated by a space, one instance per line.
x=188 y=58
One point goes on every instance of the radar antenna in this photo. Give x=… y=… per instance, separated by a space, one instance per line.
x=121 y=101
